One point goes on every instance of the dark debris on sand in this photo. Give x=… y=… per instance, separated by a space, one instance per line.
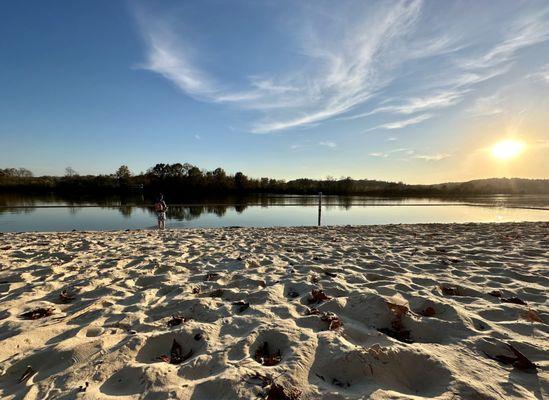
x=37 y=313
x=519 y=361
x=265 y=357
x=176 y=354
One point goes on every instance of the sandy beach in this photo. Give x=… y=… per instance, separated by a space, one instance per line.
x=441 y=311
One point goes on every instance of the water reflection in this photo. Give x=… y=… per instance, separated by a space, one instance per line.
x=51 y=213
x=126 y=211
x=187 y=213
x=264 y=200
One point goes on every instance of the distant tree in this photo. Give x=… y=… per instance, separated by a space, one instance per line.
x=16 y=173
x=159 y=171
x=123 y=173
x=194 y=173
x=219 y=178
x=240 y=181
x=175 y=170
x=180 y=179
x=70 y=172
x=24 y=173
x=219 y=173
x=186 y=168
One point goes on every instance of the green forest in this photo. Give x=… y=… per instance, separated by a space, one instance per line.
x=186 y=180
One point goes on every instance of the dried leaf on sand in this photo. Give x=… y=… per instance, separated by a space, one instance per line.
x=37 y=313
x=397 y=330
x=519 y=361
x=273 y=390
x=398 y=310
x=334 y=322
x=531 y=316
x=176 y=354
x=265 y=357
x=318 y=296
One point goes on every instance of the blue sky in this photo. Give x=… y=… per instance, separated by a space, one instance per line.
x=416 y=91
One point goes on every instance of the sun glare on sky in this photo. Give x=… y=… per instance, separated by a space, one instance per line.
x=507 y=149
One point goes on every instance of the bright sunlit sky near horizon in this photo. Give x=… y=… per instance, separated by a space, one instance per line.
x=407 y=91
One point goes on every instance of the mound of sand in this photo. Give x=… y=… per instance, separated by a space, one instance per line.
x=399 y=311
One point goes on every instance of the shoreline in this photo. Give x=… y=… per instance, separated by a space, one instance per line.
x=233 y=227
x=386 y=311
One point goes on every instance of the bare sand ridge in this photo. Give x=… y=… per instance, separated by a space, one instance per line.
x=399 y=311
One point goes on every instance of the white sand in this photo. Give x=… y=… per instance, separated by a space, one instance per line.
x=127 y=285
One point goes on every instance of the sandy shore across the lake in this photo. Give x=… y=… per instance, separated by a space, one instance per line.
x=398 y=312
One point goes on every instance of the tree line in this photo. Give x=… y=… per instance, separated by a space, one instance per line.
x=187 y=180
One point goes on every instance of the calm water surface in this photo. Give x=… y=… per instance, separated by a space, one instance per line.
x=19 y=214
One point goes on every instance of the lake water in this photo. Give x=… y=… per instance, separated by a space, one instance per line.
x=19 y=214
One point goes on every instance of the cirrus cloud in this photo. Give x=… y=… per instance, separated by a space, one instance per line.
x=357 y=57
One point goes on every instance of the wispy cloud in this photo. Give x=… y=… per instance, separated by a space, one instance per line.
x=417 y=104
x=351 y=64
x=399 y=124
x=526 y=31
x=486 y=106
x=432 y=157
x=297 y=146
x=409 y=154
x=307 y=145
x=541 y=75
x=462 y=75
x=327 y=143
x=344 y=73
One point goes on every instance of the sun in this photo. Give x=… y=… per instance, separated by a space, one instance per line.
x=507 y=149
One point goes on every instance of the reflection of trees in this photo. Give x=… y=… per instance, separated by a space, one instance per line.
x=189 y=213
x=192 y=209
x=74 y=210
x=186 y=213
x=181 y=213
x=240 y=208
x=195 y=212
x=217 y=210
x=126 y=211
x=17 y=210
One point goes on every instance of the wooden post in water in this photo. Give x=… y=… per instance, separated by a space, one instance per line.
x=319 y=207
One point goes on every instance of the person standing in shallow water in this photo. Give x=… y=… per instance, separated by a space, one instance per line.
x=160 y=208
